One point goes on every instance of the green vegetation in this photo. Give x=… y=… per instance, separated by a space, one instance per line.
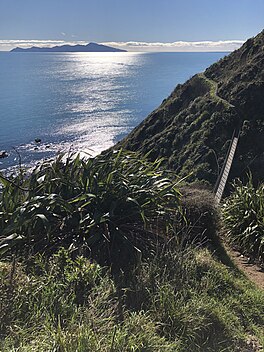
x=59 y=283
x=116 y=254
x=192 y=128
x=243 y=214
x=213 y=88
x=180 y=300
x=111 y=208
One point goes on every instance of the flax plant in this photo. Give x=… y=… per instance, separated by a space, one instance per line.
x=243 y=215
x=110 y=208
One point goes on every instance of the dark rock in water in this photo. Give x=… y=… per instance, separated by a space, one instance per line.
x=37 y=140
x=3 y=155
x=36 y=148
x=47 y=146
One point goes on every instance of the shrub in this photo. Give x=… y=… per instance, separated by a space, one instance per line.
x=111 y=208
x=202 y=216
x=243 y=214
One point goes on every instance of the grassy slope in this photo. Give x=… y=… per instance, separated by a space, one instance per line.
x=193 y=126
x=177 y=301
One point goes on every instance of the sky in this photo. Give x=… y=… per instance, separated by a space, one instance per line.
x=136 y=25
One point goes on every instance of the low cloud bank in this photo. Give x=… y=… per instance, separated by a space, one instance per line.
x=221 y=45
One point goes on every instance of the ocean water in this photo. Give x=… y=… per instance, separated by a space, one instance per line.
x=82 y=101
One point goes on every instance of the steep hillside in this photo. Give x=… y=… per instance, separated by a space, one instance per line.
x=192 y=128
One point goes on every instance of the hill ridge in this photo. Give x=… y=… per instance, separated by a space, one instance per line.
x=90 y=47
x=192 y=128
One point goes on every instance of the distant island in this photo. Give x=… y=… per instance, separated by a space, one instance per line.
x=90 y=47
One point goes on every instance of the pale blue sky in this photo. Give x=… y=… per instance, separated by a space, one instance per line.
x=162 y=21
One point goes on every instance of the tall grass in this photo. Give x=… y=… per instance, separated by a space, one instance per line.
x=179 y=300
x=111 y=208
x=243 y=214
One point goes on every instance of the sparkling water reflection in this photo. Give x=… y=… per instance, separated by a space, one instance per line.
x=83 y=101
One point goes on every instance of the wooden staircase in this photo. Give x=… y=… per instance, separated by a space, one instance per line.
x=222 y=179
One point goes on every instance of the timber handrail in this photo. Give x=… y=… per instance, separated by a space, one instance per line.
x=223 y=176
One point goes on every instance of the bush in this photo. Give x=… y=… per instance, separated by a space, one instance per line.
x=243 y=214
x=111 y=208
x=202 y=216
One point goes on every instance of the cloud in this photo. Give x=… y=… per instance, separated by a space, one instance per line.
x=221 y=45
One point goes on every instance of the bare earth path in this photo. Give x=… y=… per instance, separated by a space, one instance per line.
x=255 y=275
x=252 y=271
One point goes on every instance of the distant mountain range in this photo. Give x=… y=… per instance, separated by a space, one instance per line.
x=91 y=47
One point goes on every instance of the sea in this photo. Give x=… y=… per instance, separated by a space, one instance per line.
x=82 y=102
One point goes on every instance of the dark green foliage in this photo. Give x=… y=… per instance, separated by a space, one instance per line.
x=243 y=214
x=192 y=128
x=110 y=208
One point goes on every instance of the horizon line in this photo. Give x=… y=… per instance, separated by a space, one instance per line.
x=132 y=46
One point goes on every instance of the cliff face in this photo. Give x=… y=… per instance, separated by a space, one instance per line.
x=192 y=128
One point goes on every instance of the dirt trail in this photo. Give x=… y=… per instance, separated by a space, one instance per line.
x=214 y=90
x=252 y=271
